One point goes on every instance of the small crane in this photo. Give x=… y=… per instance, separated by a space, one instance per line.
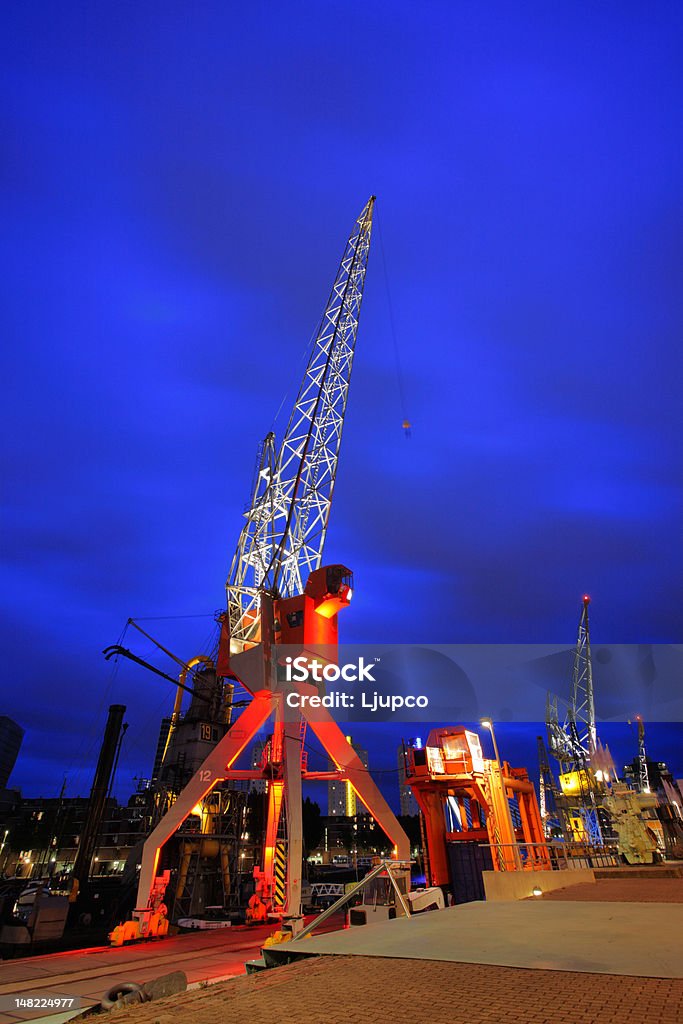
x=643 y=774
x=574 y=741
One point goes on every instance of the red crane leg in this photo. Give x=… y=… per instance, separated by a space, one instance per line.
x=212 y=771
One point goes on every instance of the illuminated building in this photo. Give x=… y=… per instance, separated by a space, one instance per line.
x=341 y=798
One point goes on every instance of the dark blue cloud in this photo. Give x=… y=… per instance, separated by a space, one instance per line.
x=177 y=184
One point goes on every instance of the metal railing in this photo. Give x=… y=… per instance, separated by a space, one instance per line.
x=391 y=867
x=557 y=856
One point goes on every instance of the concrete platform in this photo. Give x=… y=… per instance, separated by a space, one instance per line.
x=634 y=939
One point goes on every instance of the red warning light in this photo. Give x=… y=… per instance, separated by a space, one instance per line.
x=586 y=598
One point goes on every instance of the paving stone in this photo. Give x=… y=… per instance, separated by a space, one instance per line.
x=622 y=890
x=346 y=990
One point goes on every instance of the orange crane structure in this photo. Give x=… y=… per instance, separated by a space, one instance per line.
x=463 y=797
x=282 y=602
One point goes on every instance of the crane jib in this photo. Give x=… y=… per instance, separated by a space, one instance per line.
x=283 y=536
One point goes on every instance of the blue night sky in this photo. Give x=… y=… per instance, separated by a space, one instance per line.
x=178 y=181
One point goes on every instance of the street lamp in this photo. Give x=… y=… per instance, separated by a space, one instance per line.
x=488 y=724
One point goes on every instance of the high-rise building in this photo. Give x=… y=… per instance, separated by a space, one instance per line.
x=11 y=735
x=251 y=785
x=341 y=796
x=407 y=799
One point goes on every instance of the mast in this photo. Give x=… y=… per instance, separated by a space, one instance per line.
x=582 y=707
x=643 y=774
x=574 y=741
x=104 y=774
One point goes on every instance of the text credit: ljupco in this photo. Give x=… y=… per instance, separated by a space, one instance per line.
x=301 y=670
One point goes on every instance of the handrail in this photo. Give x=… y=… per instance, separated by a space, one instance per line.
x=384 y=865
x=562 y=855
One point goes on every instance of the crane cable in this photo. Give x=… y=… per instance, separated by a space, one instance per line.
x=406 y=424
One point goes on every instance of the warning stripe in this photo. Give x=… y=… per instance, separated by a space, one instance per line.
x=280 y=874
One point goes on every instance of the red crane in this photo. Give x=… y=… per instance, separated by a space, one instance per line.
x=283 y=602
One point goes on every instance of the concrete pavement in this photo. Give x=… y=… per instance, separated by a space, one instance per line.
x=551 y=986
x=638 y=939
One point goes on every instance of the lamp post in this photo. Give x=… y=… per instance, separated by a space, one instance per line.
x=488 y=724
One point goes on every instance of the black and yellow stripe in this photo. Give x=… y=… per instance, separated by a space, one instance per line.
x=280 y=873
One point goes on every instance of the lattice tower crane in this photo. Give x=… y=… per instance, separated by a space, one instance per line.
x=643 y=774
x=573 y=742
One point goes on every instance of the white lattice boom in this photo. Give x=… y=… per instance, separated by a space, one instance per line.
x=582 y=708
x=282 y=540
x=573 y=742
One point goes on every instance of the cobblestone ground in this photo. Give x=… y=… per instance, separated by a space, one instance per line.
x=623 y=890
x=375 y=990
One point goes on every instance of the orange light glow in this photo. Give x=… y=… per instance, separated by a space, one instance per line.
x=333 y=603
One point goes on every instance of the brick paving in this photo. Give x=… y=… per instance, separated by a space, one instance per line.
x=382 y=990
x=622 y=890
x=376 y=990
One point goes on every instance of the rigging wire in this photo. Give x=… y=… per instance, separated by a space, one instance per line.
x=210 y=645
x=142 y=736
x=303 y=361
x=158 y=618
x=303 y=358
x=192 y=670
x=407 y=426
